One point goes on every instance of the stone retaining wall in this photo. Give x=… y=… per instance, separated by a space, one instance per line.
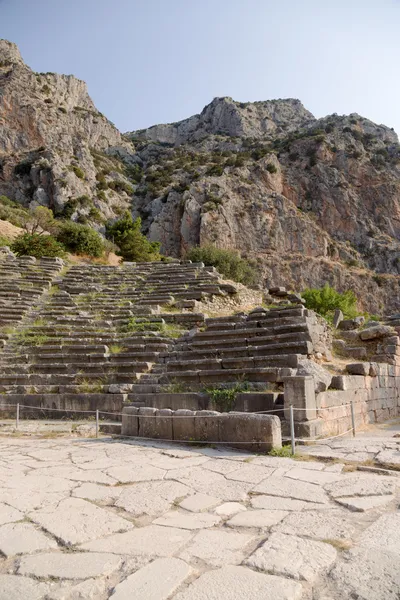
x=72 y=404
x=375 y=394
x=243 y=430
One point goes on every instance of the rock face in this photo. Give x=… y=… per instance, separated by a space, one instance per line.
x=226 y=117
x=313 y=201
x=53 y=143
x=310 y=200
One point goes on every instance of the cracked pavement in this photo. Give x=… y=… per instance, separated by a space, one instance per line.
x=85 y=519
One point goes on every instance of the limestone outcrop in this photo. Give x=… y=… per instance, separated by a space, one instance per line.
x=53 y=144
x=310 y=200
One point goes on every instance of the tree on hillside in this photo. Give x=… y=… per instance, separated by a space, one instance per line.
x=133 y=245
x=40 y=220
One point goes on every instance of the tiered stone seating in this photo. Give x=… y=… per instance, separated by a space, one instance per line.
x=100 y=330
x=104 y=336
x=257 y=350
x=23 y=281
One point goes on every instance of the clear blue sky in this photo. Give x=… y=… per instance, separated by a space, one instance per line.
x=157 y=61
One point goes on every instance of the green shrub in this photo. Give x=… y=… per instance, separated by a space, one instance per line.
x=78 y=171
x=133 y=245
x=5 y=241
x=37 y=245
x=80 y=239
x=271 y=168
x=224 y=398
x=12 y=212
x=326 y=300
x=216 y=170
x=227 y=262
x=121 y=186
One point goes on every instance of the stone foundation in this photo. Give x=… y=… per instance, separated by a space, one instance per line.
x=375 y=396
x=246 y=431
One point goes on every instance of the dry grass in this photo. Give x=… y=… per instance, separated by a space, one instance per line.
x=340 y=545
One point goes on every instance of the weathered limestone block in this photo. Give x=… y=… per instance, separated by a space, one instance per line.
x=184 y=425
x=300 y=393
x=147 y=418
x=130 y=421
x=358 y=368
x=163 y=428
x=205 y=426
x=378 y=331
x=322 y=377
x=250 y=431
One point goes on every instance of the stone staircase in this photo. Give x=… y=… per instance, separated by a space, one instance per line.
x=101 y=337
x=23 y=281
x=100 y=329
x=252 y=353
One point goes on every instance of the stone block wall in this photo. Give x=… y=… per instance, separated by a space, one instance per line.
x=374 y=389
x=246 y=431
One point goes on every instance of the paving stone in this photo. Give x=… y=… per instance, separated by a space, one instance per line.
x=151 y=498
x=222 y=466
x=323 y=525
x=8 y=514
x=384 y=534
x=98 y=493
x=76 y=474
x=13 y=587
x=199 y=503
x=366 y=575
x=185 y=521
x=75 y=521
x=250 y=473
x=362 y=504
x=361 y=485
x=228 y=509
x=287 y=504
x=204 y=481
x=311 y=476
x=218 y=547
x=156 y=581
x=23 y=538
x=301 y=490
x=133 y=473
x=294 y=557
x=388 y=457
x=171 y=463
x=80 y=565
x=257 y=518
x=152 y=541
x=238 y=583
x=26 y=501
x=91 y=589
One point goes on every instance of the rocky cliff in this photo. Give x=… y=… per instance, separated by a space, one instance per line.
x=56 y=148
x=311 y=200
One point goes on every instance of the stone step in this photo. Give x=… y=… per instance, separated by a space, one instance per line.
x=249 y=330
x=67 y=379
x=270 y=375
x=243 y=359
x=64 y=405
x=264 y=342
x=86 y=367
x=71 y=358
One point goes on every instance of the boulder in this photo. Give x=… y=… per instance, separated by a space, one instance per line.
x=322 y=377
x=375 y=332
x=337 y=317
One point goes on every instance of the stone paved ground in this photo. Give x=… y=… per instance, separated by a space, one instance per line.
x=378 y=445
x=85 y=519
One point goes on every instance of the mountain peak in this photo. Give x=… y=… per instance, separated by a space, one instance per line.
x=225 y=116
x=9 y=53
